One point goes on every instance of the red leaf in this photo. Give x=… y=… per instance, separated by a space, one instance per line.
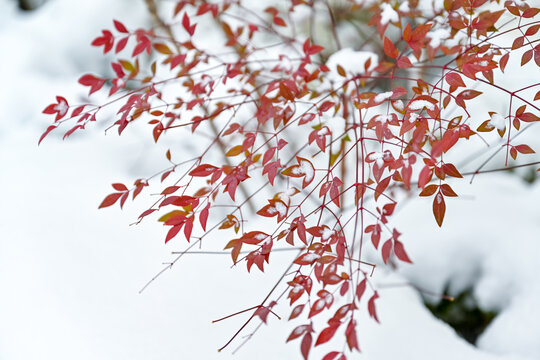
x=389 y=48
x=123 y=199
x=371 y=306
x=531 y=12
x=386 y=249
x=92 y=81
x=177 y=60
x=407 y=33
x=271 y=170
x=503 y=61
x=404 y=62
x=305 y=346
x=306 y=118
x=119 y=187
x=451 y=170
x=425 y=176
x=121 y=44
x=399 y=250
x=513 y=152
x=304 y=169
x=187 y=25
x=454 y=79
x=296 y=311
x=518 y=42
x=49 y=129
x=331 y=355
x=157 y=131
x=360 y=289
x=439 y=208
x=429 y=190
x=524 y=149
x=203 y=170
x=206 y=7
x=110 y=200
x=297 y=332
x=61 y=108
x=307 y=259
x=311 y=49
x=106 y=40
x=327 y=105
x=279 y=21
x=203 y=217
x=50 y=109
x=350 y=334
x=146 y=213
x=528 y=117
x=381 y=186
x=469 y=94
x=301 y=231
x=274 y=208
x=344 y=288
x=398 y=92
x=169 y=190
x=188 y=228
x=527 y=56
x=317 y=307
x=447 y=190
x=72 y=130
x=120 y=27
x=77 y=111
x=172 y=232
x=326 y=334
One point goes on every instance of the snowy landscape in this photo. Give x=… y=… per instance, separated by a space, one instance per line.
x=70 y=274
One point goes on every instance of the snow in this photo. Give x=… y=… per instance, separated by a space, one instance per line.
x=378 y=157
x=492 y=249
x=291 y=191
x=324 y=131
x=62 y=108
x=497 y=121
x=327 y=233
x=413 y=117
x=352 y=61
x=388 y=14
x=261 y=236
x=305 y=168
x=398 y=104
x=404 y=7
x=70 y=274
x=383 y=118
x=379 y=98
x=281 y=209
x=298 y=331
x=420 y=104
x=310 y=257
x=319 y=305
x=437 y=36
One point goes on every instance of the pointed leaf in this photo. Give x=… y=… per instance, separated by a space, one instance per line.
x=110 y=200
x=439 y=208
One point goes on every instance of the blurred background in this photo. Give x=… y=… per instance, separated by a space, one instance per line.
x=70 y=275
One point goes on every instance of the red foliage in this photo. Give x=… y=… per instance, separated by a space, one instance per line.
x=335 y=147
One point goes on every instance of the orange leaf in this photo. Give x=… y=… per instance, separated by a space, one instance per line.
x=234 y=151
x=389 y=48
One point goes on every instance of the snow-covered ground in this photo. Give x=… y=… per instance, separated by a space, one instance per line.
x=70 y=274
